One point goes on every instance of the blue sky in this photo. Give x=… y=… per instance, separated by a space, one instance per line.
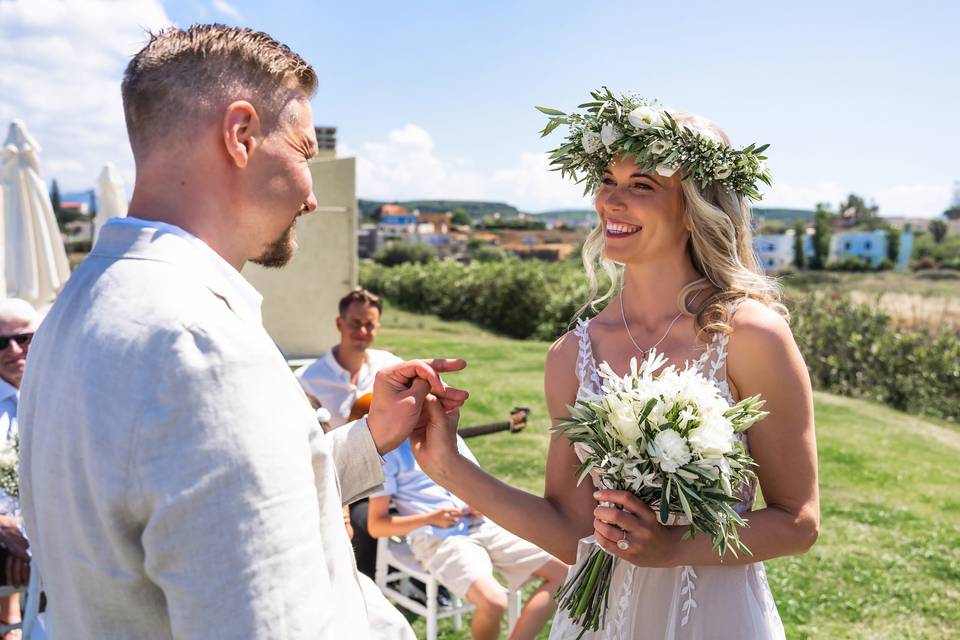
x=435 y=99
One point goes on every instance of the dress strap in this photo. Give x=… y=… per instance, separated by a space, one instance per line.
x=587 y=374
x=715 y=359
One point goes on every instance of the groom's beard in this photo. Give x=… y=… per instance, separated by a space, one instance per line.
x=279 y=252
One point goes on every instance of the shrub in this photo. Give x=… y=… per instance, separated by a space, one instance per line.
x=849 y=263
x=489 y=254
x=924 y=262
x=886 y=265
x=401 y=252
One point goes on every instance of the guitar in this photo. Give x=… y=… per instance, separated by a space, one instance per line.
x=361 y=407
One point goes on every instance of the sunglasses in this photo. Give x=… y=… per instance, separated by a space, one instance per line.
x=22 y=339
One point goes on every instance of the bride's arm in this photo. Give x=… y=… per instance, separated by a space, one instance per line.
x=554 y=522
x=763 y=359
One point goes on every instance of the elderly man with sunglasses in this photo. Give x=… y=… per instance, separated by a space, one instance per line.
x=17 y=323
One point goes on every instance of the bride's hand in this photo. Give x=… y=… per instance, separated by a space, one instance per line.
x=434 y=441
x=651 y=544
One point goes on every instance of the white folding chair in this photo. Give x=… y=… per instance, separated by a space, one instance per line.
x=396 y=563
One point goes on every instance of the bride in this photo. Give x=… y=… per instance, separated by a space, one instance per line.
x=674 y=236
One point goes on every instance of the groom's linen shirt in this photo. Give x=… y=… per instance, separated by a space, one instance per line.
x=174 y=480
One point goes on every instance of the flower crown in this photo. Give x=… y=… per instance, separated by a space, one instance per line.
x=637 y=127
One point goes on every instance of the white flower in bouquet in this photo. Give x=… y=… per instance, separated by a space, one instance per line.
x=624 y=420
x=669 y=449
x=609 y=133
x=713 y=437
x=591 y=141
x=9 y=456
x=645 y=117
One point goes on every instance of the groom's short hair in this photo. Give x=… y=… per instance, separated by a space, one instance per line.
x=186 y=77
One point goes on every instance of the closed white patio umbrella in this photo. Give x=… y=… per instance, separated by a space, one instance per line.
x=36 y=265
x=111 y=198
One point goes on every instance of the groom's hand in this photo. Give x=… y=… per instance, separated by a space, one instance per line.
x=399 y=392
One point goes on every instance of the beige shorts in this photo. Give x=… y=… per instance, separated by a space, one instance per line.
x=459 y=561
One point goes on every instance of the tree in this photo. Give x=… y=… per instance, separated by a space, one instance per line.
x=799 y=238
x=821 y=237
x=893 y=244
x=938 y=229
x=460 y=216
x=862 y=214
x=55 y=196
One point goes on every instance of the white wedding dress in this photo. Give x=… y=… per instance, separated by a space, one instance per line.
x=682 y=603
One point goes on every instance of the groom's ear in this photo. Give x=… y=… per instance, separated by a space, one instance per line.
x=242 y=131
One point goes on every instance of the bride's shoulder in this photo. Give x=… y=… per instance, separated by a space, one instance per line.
x=565 y=349
x=758 y=332
x=755 y=320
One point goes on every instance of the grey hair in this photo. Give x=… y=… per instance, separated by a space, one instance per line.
x=17 y=309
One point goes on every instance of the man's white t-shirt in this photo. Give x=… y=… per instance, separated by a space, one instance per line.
x=330 y=383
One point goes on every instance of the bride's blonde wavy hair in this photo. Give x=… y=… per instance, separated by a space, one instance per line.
x=720 y=247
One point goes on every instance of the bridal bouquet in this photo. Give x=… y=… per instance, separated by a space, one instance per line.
x=9 y=459
x=671 y=440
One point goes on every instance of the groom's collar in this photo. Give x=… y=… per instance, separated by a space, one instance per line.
x=136 y=239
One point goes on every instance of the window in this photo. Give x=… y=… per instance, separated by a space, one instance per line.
x=847 y=245
x=868 y=245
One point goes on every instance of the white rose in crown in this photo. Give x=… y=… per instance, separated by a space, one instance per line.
x=645 y=117
x=659 y=147
x=609 y=133
x=591 y=142
x=666 y=171
x=670 y=450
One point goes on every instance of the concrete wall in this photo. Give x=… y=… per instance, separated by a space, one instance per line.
x=300 y=300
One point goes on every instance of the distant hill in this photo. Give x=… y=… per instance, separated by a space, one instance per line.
x=566 y=214
x=477 y=210
x=782 y=215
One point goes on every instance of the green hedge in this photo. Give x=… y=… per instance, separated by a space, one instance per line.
x=850 y=349
x=521 y=299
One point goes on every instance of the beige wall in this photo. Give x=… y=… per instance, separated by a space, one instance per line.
x=300 y=300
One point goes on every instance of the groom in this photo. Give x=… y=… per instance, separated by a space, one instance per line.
x=174 y=479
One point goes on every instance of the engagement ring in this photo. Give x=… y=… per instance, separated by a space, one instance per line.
x=623 y=544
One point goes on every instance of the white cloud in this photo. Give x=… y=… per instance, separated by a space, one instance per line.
x=406 y=166
x=914 y=199
x=227 y=9
x=898 y=200
x=62 y=65
x=795 y=196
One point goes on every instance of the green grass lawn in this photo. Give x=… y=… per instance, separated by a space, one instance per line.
x=887 y=564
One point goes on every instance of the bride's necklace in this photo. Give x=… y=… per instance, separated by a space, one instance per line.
x=645 y=352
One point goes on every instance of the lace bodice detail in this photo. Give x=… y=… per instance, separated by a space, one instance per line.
x=712 y=365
